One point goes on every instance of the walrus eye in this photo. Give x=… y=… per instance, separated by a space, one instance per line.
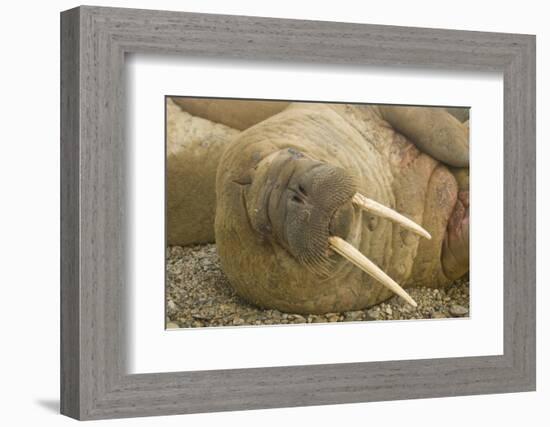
x=351 y=253
x=297 y=199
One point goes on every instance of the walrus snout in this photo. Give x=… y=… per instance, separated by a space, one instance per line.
x=320 y=205
x=296 y=201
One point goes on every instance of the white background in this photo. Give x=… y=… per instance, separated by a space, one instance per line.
x=152 y=349
x=29 y=168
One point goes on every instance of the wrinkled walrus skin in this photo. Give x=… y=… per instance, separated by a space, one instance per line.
x=359 y=143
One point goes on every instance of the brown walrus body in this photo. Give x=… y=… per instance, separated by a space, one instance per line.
x=291 y=172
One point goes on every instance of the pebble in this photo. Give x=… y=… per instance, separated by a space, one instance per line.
x=172 y=325
x=333 y=317
x=199 y=295
x=171 y=307
x=374 y=313
x=299 y=319
x=238 y=321
x=407 y=308
x=438 y=315
x=457 y=310
x=354 y=315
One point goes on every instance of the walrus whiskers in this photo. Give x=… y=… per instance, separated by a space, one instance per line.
x=385 y=212
x=350 y=253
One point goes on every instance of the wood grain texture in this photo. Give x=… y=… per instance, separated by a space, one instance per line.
x=95 y=274
x=70 y=291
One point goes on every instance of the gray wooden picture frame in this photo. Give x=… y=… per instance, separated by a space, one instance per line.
x=94 y=382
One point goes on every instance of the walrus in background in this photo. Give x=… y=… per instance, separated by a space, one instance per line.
x=327 y=207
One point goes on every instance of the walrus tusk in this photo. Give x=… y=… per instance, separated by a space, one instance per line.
x=385 y=212
x=349 y=252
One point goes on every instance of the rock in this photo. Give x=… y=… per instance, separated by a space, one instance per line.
x=458 y=310
x=438 y=315
x=333 y=317
x=277 y=314
x=171 y=307
x=354 y=315
x=172 y=325
x=238 y=321
x=388 y=310
x=202 y=316
x=407 y=308
x=374 y=313
x=298 y=319
x=250 y=318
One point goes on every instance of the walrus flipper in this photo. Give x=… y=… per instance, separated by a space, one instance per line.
x=462 y=114
x=433 y=130
x=194 y=148
x=238 y=114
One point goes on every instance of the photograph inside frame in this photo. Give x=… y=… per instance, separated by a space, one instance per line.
x=283 y=212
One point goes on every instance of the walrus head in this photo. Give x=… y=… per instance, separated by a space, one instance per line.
x=308 y=207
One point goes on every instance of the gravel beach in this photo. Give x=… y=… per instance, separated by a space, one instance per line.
x=198 y=294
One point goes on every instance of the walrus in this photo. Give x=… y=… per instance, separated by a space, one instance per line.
x=332 y=207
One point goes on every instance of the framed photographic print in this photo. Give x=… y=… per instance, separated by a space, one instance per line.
x=261 y=213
